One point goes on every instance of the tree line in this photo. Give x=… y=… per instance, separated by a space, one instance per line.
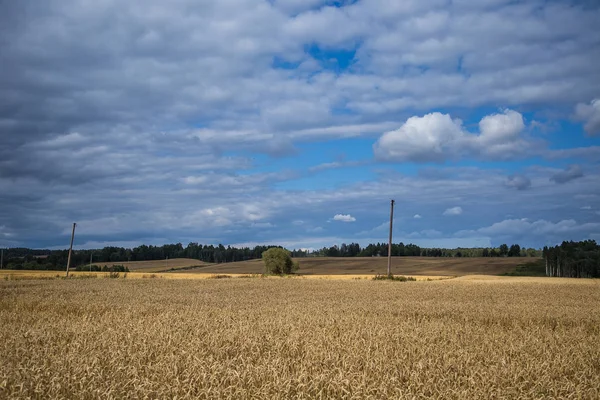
x=30 y=259
x=573 y=259
x=35 y=259
x=412 y=250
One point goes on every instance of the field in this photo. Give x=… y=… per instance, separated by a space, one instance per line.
x=471 y=337
x=378 y=265
x=157 y=265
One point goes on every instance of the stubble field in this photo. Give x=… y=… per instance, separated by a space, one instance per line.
x=300 y=338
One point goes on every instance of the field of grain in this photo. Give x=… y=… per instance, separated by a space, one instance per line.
x=378 y=265
x=473 y=337
x=15 y=275
x=157 y=265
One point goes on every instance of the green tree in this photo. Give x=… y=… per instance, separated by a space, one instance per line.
x=278 y=261
x=515 y=251
x=503 y=250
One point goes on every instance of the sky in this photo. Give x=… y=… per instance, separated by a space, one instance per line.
x=295 y=122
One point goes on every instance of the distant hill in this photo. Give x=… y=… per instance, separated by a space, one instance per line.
x=157 y=265
x=435 y=266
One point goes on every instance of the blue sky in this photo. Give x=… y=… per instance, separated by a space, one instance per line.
x=295 y=122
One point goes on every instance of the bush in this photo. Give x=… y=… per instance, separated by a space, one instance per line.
x=400 y=278
x=278 y=261
x=115 y=268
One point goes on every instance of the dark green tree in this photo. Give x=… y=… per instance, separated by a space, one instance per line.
x=515 y=251
x=278 y=261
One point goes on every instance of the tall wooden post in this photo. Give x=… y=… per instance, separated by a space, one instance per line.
x=389 y=269
x=71 y=248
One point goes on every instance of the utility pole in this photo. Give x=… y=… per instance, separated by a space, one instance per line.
x=389 y=272
x=71 y=248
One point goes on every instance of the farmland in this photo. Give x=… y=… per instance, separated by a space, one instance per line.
x=471 y=337
x=158 y=265
x=436 y=266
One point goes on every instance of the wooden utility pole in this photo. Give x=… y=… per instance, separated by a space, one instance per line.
x=71 y=248
x=389 y=272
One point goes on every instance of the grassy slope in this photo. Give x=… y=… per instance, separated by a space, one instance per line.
x=378 y=265
x=157 y=265
x=529 y=268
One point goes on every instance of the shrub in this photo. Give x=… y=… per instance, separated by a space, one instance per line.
x=279 y=261
x=400 y=278
x=115 y=268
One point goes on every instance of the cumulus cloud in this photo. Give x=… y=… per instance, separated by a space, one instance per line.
x=570 y=173
x=453 y=211
x=519 y=182
x=344 y=218
x=590 y=115
x=436 y=137
x=417 y=216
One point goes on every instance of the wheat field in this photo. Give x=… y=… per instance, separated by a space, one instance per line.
x=288 y=338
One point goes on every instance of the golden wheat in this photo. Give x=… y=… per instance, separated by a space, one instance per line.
x=299 y=338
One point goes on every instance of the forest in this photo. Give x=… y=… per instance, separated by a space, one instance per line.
x=35 y=259
x=573 y=259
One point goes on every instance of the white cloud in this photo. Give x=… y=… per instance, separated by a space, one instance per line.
x=453 y=211
x=437 y=137
x=433 y=137
x=417 y=216
x=586 y=208
x=344 y=218
x=590 y=115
